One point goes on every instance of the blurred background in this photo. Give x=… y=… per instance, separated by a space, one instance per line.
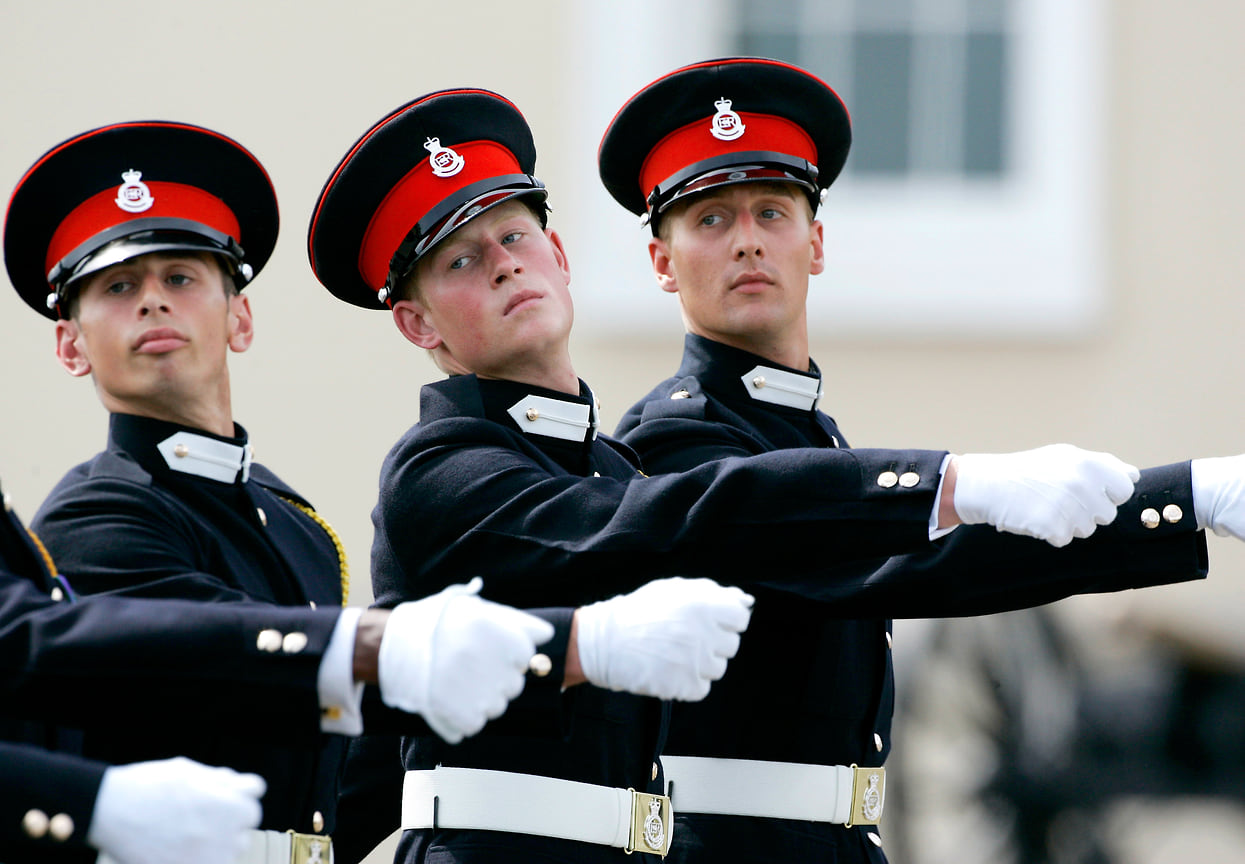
x=1038 y=238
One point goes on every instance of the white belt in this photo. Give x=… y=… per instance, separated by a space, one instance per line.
x=277 y=847
x=843 y=794
x=542 y=806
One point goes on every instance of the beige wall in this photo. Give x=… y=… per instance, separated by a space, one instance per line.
x=328 y=388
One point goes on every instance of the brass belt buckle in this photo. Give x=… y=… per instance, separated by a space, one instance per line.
x=310 y=848
x=868 y=796
x=651 y=818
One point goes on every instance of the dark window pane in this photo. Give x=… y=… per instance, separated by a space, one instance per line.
x=880 y=102
x=984 y=121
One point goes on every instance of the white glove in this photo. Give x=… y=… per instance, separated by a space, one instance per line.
x=669 y=639
x=175 y=810
x=457 y=659
x=1053 y=493
x=1219 y=495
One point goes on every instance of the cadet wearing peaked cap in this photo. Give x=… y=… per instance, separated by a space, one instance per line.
x=136 y=237
x=551 y=777
x=718 y=157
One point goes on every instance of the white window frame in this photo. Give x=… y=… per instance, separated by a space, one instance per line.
x=925 y=257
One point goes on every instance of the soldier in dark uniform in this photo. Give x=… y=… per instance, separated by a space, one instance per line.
x=435 y=214
x=726 y=161
x=137 y=238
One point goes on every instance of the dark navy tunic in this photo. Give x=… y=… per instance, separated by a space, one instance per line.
x=125 y=523
x=568 y=519
x=812 y=682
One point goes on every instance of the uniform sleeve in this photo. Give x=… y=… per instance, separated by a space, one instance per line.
x=462 y=500
x=148 y=660
x=975 y=570
x=46 y=804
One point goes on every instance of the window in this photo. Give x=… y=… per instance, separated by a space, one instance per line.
x=971 y=202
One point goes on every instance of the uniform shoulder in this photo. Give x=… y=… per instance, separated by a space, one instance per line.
x=679 y=397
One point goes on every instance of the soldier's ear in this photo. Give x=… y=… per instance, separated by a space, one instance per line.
x=241 y=323
x=414 y=321
x=816 y=238
x=71 y=348
x=663 y=267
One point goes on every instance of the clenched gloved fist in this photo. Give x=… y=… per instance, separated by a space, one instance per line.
x=670 y=638
x=1054 y=493
x=457 y=659
x=174 y=810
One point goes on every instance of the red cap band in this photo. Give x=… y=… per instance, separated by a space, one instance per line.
x=695 y=143
x=168 y=200
x=414 y=196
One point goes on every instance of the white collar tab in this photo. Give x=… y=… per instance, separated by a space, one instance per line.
x=554 y=418
x=780 y=387
x=206 y=457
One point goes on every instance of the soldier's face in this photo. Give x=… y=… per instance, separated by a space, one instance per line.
x=155 y=330
x=739 y=257
x=494 y=296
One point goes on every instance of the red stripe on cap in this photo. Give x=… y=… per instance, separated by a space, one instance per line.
x=414 y=196
x=695 y=143
x=169 y=200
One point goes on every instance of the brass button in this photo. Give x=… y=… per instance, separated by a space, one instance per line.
x=312 y=604
x=181 y=451
x=1172 y=513
x=35 y=824
x=57 y=594
x=263 y=517
x=60 y=827
x=654 y=770
x=596 y=473
x=332 y=712
x=680 y=394
x=540 y=665
x=758 y=382
x=533 y=414
x=317 y=822
x=877 y=741
x=294 y=642
x=908 y=479
x=8 y=503
x=874 y=839
x=1150 y=517
x=887 y=479
x=890 y=641
x=269 y=641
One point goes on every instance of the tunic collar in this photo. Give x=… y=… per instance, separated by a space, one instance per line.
x=542 y=413
x=159 y=446
x=735 y=372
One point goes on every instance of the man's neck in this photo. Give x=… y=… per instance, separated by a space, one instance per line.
x=558 y=375
x=218 y=421
x=791 y=353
